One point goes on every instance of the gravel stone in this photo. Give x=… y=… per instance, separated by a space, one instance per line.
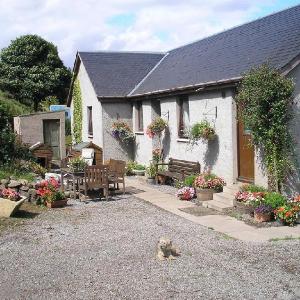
x=14 y=184
x=106 y=250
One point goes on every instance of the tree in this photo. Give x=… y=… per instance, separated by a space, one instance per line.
x=31 y=70
x=265 y=104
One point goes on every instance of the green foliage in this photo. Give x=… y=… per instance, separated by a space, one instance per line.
x=274 y=200
x=10 y=171
x=252 y=188
x=68 y=129
x=151 y=170
x=68 y=140
x=265 y=105
x=189 y=180
x=30 y=167
x=130 y=166
x=44 y=105
x=139 y=167
x=77 y=164
x=201 y=130
x=77 y=112
x=31 y=70
x=10 y=147
x=13 y=107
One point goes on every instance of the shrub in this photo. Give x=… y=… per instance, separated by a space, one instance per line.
x=287 y=214
x=252 y=188
x=151 y=171
x=189 y=180
x=130 y=166
x=48 y=191
x=77 y=164
x=275 y=200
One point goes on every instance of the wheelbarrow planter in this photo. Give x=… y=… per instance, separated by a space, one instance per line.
x=8 y=208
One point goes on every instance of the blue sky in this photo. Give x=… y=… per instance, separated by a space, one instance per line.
x=126 y=25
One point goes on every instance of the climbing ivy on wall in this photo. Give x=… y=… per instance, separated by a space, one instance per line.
x=77 y=112
x=265 y=105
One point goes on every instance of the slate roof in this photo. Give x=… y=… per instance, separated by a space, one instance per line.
x=274 y=39
x=115 y=74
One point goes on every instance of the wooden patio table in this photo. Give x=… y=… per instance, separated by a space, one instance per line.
x=76 y=176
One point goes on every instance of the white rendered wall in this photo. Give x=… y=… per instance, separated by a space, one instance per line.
x=143 y=148
x=218 y=155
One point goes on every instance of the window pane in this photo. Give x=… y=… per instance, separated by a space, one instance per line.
x=90 y=120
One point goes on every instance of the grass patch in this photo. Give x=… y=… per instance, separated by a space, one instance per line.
x=26 y=211
x=287 y=238
x=6 y=172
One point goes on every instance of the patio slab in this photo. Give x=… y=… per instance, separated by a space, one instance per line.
x=221 y=223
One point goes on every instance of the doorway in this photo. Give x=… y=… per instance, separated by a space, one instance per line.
x=51 y=129
x=245 y=154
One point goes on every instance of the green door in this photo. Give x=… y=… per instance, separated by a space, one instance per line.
x=51 y=136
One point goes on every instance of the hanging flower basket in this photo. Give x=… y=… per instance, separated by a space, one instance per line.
x=121 y=131
x=202 y=130
x=156 y=127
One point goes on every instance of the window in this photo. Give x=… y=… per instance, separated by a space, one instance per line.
x=139 y=116
x=183 y=113
x=90 y=120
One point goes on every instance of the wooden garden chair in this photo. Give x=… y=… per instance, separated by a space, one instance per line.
x=117 y=170
x=96 y=177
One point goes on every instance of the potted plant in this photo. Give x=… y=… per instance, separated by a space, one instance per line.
x=48 y=191
x=10 y=202
x=248 y=201
x=263 y=213
x=201 y=130
x=157 y=155
x=151 y=172
x=207 y=184
x=186 y=193
x=156 y=127
x=296 y=202
x=77 y=164
x=287 y=214
x=120 y=130
x=139 y=170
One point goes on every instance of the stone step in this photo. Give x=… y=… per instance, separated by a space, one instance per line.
x=216 y=205
x=224 y=198
x=232 y=189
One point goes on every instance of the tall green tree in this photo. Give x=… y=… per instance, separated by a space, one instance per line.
x=31 y=70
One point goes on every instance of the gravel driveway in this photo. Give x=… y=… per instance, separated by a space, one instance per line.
x=106 y=250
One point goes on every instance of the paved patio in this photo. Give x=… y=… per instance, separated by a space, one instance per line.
x=106 y=250
x=223 y=224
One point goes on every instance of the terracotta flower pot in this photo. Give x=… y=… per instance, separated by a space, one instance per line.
x=205 y=194
x=57 y=204
x=261 y=217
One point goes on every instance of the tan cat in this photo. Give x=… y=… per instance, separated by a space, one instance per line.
x=165 y=249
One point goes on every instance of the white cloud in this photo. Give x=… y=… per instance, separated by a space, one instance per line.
x=158 y=25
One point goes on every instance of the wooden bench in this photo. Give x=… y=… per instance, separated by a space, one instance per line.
x=177 y=169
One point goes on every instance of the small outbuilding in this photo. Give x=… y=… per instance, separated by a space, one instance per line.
x=98 y=152
x=46 y=128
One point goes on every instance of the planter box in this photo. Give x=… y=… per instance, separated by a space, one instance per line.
x=259 y=217
x=205 y=194
x=150 y=180
x=8 y=208
x=139 y=172
x=57 y=204
x=244 y=208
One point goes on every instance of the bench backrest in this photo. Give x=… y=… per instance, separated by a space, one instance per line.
x=184 y=166
x=96 y=176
